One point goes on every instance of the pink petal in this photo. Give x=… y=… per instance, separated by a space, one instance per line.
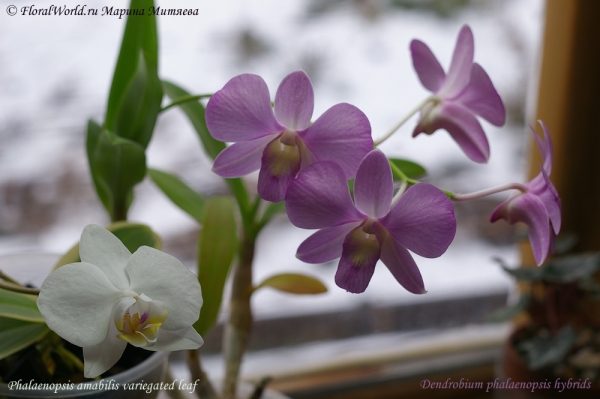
x=460 y=69
x=325 y=245
x=481 y=97
x=342 y=135
x=360 y=254
x=319 y=198
x=240 y=158
x=530 y=210
x=399 y=261
x=552 y=203
x=464 y=129
x=545 y=147
x=294 y=101
x=241 y=111
x=374 y=185
x=280 y=165
x=428 y=68
x=422 y=220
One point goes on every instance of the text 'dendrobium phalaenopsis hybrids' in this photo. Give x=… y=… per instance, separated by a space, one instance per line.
x=111 y=298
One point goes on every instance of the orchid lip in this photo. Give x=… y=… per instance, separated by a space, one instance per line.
x=288 y=138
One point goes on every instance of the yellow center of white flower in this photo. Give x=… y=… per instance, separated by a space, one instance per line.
x=139 y=324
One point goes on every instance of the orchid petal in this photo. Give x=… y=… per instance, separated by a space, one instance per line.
x=176 y=340
x=545 y=147
x=294 y=101
x=552 y=203
x=319 y=198
x=360 y=254
x=374 y=185
x=101 y=357
x=422 y=220
x=459 y=73
x=164 y=278
x=241 y=110
x=341 y=135
x=241 y=158
x=529 y=209
x=399 y=261
x=280 y=165
x=104 y=250
x=76 y=301
x=464 y=129
x=326 y=244
x=119 y=310
x=430 y=72
x=481 y=97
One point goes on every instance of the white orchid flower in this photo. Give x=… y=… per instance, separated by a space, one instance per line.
x=149 y=299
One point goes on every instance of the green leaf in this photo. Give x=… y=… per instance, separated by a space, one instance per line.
x=137 y=113
x=132 y=235
x=140 y=35
x=542 y=351
x=293 y=283
x=15 y=305
x=218 y=244
x=18 y=334
x=571 y=268
x=117 y=165
x=195 y=113
x=409 y=168
x=523 y=273
x=180 y=193
x=509 y=312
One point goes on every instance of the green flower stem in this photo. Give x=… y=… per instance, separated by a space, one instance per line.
x=408 y=180
x=18 y=288
x=489 y=191
x=69 y=358
x=183 y=100
x=205 y=389
x=237 y=330
x=404 y=120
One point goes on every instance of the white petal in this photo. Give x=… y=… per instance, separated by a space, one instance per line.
x=100 y=247
x=99 y=358
x=164 y=278
x=77 y=302
x=119 y=311
x=183 y=339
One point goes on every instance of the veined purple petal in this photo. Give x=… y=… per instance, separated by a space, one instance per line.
x=326 y=244
x=545 y=147
x=460 y=69
x=552 y=203
x=399 y=261
x=241 y=158
x=280 y=165
x=430 y=72
x=294 y=101
x=374 y=185
x=481 y=97
x=319 y=198
x=241 y=110
x=529 y=209
x=360 y=254
x=422 y=220
x=342 y=135
x=464 y=129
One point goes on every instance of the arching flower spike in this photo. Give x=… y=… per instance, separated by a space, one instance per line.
x=370 y=228
x=283 y=142
x=538 y=207
x=112 y=297
x=461 y=94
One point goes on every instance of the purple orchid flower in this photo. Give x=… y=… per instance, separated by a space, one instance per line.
x=461 y=94
x=538 y=207
x=284 y=142
x=370 y=228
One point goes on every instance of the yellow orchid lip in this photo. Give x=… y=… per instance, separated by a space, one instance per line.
x=140 y=323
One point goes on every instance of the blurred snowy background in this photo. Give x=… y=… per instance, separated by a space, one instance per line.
x=56 y=72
